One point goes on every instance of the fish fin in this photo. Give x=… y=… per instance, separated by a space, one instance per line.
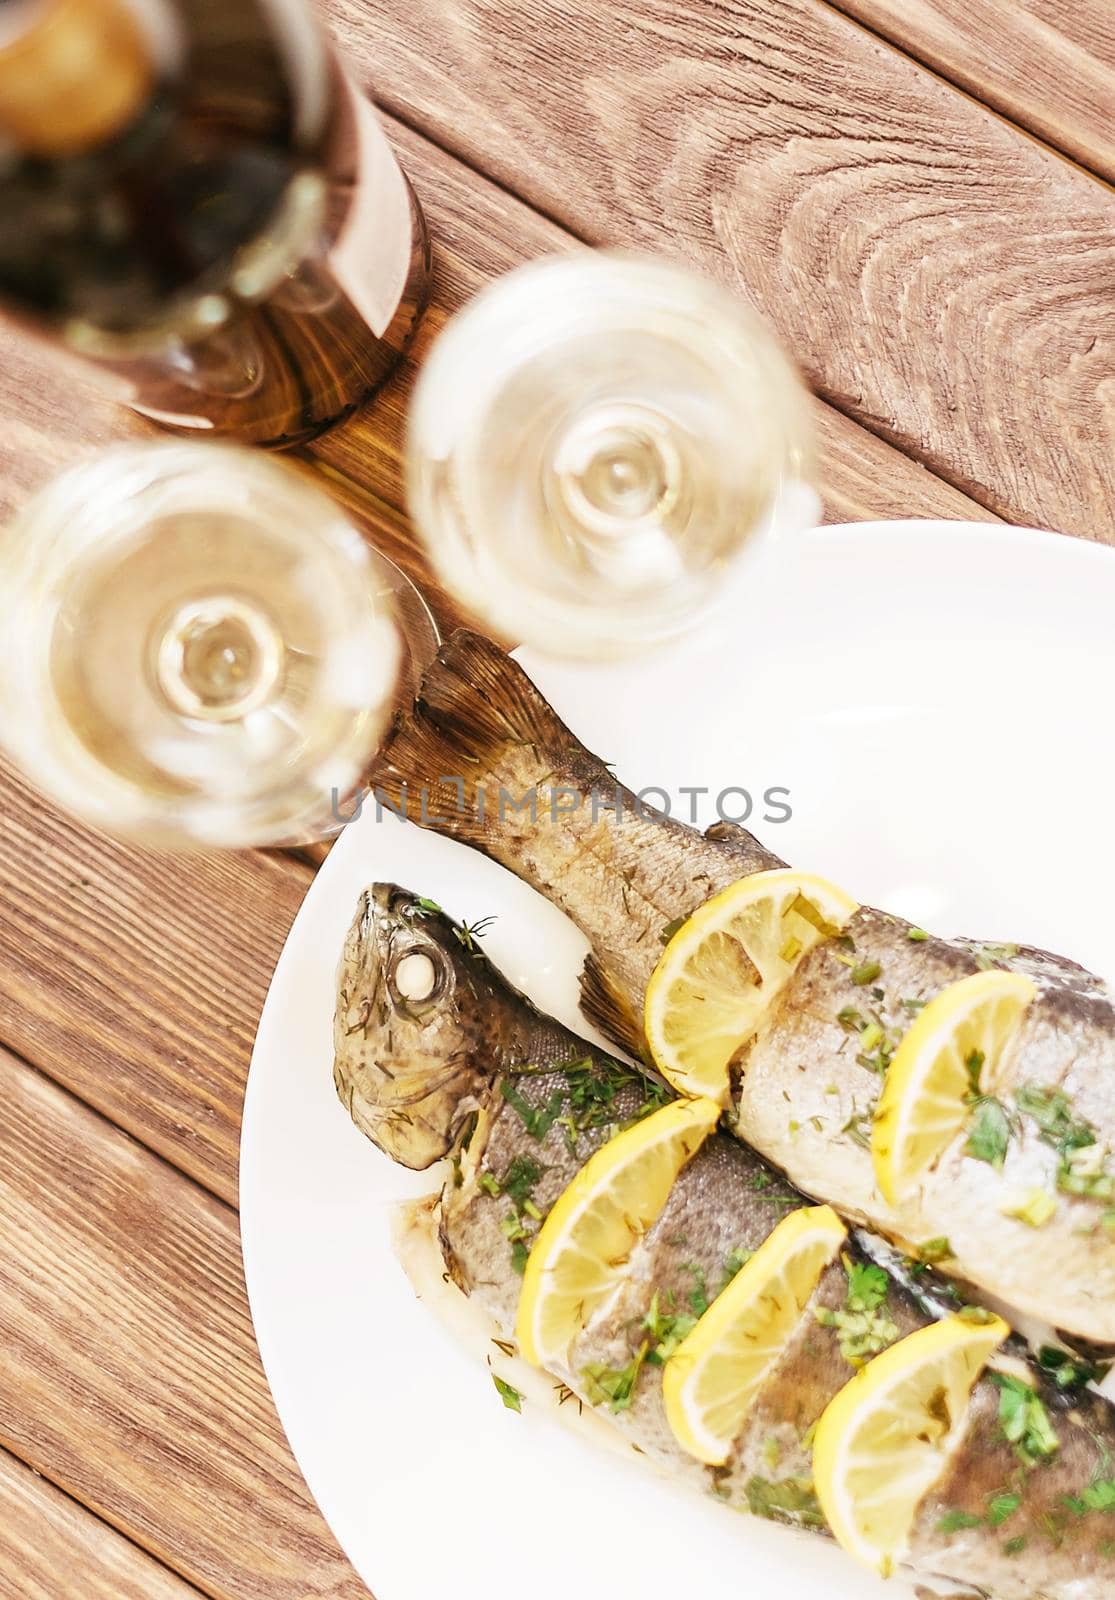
x=609 y=1010
x=728 y=833
x=473 y=703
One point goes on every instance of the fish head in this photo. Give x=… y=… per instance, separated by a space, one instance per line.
x=421 y=1027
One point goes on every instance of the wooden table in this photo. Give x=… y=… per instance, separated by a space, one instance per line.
x=914 y=191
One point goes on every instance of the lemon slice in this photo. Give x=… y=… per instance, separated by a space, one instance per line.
x=884 y=1440
x=715 y=1373
x=578 y=1257
x=725 y=965
x=923 y=1105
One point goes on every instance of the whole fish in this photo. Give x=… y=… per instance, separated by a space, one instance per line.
x=436 y=1055
x=481 y=741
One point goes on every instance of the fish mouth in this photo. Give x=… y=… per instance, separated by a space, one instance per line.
x=403 y=1059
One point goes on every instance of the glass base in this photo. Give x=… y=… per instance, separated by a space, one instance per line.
x=298 y=372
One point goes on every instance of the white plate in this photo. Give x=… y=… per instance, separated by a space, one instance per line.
x=937 y=699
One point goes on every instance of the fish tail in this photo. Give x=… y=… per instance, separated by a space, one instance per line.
x=474 y=706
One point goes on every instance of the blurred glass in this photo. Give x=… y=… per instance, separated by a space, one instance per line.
x=595 y=442
x=194 y=196
x=200 y=648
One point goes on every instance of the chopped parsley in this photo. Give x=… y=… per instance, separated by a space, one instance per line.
x=699 y=1301
x=955 y=1521
x=667 y=1329
x=792 y=1500
x=673 y=927
x=934 y=1251
x=537 y=1120
x=990 y=1127
x=1068 y=1371
x=511 y=1398
x=519 y=1180
x=987 y=956
x=1024 y=1420
x=863 y=1326
x=1082 y=1168
x=916 y=935
x=517 y=1226
x=1002 y=1507
x=614 y=1386
x=1098 y=1496
x=865 y=973
x=735 y=1259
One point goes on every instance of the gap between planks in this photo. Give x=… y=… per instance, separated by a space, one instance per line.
x=939 y=272
x=52 y=1546
x=166 y=1431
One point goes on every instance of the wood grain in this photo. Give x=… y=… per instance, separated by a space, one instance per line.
x=136 y=979
x=128 y=1368
x=945 y=280
x=51 y=1548
x=1047 y=64
x=480 y=232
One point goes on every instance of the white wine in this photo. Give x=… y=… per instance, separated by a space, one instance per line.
x=595 y=442
x=200 y=648
x=193 y=195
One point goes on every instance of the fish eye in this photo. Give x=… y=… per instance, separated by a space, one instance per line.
x=416 y=977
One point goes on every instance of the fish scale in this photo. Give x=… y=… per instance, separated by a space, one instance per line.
x=521 y=1104
x=626 y=876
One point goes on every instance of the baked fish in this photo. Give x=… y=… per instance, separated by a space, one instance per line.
x=437 y=1056
x=481 y=740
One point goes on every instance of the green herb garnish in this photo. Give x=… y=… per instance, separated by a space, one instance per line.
x=1082 y=1169
x=865 y=973
x=1002 y=1507
x=537 y=1120
x=989 y=1131
x=1024 y=1420
x=987 y=956
x=1098 y=1496
x=955 y=1521
x=916 y=935
x=511 y=1398
x=1069 y=1371
x=863 y=1326
x=790 y=1500
x=612 y=1386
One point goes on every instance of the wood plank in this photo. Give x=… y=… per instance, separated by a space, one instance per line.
x=944 y=280
x=1047 y=64
x=128 y=1367
x=481 y=231
x=136 y=978
x=52 y=1549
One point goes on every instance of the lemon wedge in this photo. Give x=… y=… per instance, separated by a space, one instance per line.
x=582 y=1247
x=957 y=1043
x=715 y=1373
x=725 y=965
x=884 y=1440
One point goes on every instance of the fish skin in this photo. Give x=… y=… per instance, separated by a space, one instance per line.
x=477 y=1034
x=626 y=874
